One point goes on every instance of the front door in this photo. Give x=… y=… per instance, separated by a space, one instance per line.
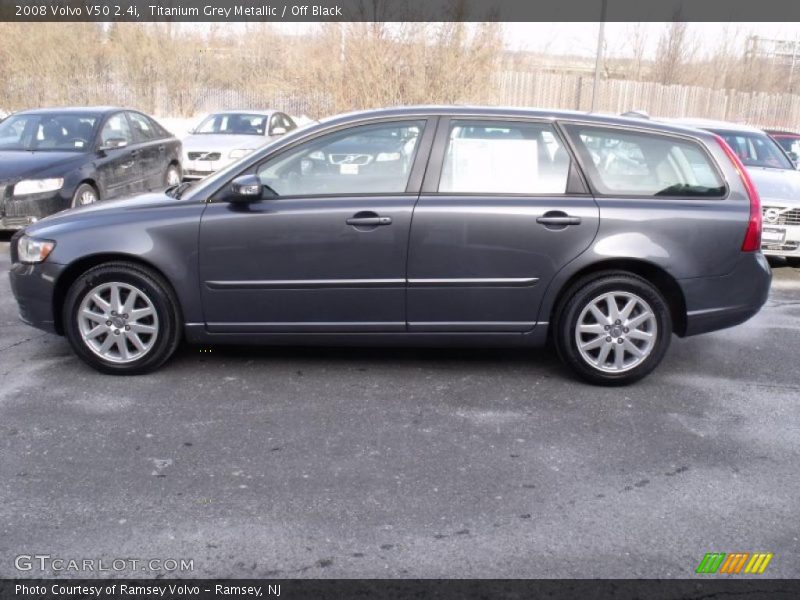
x=325 y=248
x=119 y=171
x=501 y=211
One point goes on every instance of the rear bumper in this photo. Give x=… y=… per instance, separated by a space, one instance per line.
x=714 y=303
x=33 y=287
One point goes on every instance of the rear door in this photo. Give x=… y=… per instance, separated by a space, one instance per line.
x=152 y=155
x=502 y=209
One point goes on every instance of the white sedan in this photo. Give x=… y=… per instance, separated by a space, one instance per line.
x=225 y=137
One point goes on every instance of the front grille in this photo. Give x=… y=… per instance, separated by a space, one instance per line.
x=350 y=159
x=204 y=155
x=777 y=215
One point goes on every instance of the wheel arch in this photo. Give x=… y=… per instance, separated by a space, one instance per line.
x=666 y=284
x=78 y=267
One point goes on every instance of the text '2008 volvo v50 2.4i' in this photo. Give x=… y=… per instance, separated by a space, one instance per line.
x=428 y=226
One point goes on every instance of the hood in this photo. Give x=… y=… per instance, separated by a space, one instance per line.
x=110 y=207
x=776 y=185
x=24 y=163
x=222 y=142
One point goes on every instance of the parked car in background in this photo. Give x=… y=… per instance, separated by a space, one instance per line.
x=480 y=227
x=775 y=177
x=52 y=159
x=225 y=137
x=789 y=141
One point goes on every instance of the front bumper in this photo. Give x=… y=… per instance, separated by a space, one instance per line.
x=197 y=169
x=714 y=303
x=19 y=212
x=33 y=287
x=781 y=231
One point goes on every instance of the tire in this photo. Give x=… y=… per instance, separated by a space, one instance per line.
x=793 y=262
x=643 y=344
x=157 y=326
x=172 y=176
x=84 y=194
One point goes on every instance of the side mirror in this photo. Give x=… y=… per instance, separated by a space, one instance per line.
x=278 y=130
x=245 y=188
x=112 y=143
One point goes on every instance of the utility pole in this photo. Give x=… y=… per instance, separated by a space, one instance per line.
x=599 y=57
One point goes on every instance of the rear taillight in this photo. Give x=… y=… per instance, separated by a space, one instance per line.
x=752 y=237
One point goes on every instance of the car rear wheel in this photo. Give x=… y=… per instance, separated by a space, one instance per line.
x=613 y=328
x=122 y=318
x=85 y=194
x=172 y=176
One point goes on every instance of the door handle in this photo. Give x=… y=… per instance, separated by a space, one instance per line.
x=161 y=148
x=557 y=219
x=368 y=221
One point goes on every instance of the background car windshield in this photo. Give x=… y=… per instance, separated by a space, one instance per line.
x=63 y=132
x=756 y=150
x=235 y=124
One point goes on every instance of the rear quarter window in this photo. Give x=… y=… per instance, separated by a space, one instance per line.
x=632 y=163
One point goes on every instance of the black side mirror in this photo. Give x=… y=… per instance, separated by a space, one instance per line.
x=245 y=188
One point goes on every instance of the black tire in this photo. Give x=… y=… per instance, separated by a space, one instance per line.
x=80 y=193
x=580 y=296
x=793 y=262
x=173 y=170
x=154 y=288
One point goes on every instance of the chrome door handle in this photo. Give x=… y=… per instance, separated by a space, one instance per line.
x=369 y=221
x=566 y=220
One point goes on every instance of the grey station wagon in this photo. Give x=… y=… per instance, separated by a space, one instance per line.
x=426 y=226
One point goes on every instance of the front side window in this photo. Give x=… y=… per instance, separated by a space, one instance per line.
x=116 y=132
x=504 y=157
x=367 y=159
x=755 y=149
x=634 y=163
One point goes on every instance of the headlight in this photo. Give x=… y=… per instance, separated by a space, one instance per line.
x=387 y=156
x=38 y=186
x=31 y=250
x=240 y=153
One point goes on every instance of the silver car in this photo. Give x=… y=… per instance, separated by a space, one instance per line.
x=775 y=178
x=224 y=137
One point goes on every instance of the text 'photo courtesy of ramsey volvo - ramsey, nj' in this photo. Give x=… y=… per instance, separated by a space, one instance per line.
x=52 y=159
x=425 y=226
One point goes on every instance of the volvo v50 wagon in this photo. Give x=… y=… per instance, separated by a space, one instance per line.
x=425 y=226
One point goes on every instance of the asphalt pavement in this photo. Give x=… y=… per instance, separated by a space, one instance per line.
x=283 y=462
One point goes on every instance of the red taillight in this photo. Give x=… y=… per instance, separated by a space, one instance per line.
x=752 y=237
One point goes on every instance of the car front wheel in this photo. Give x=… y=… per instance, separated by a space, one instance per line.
x=122 y=318
x=85 y=194
x=613 y=328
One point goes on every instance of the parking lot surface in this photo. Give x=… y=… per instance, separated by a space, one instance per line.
x=286 y=462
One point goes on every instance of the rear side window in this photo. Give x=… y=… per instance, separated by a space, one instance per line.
x=504 y=157
x=629 y=163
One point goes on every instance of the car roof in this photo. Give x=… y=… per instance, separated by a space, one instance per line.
x=245 y=111
x=512 y=112
x=715 y=124
x=77 y=110
x=782 y=132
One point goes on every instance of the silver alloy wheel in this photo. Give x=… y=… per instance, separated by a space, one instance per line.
x=86 y=197
x=616 y=332
x=173 y=176
x=118 y=322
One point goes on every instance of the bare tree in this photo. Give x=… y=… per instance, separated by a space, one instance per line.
x=676 y=48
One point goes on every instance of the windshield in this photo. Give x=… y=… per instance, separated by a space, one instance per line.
x=234 y=123
x=53 y=131
x=756 y=149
